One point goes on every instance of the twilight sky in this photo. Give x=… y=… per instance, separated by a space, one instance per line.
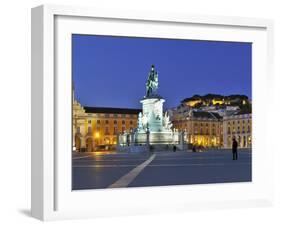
x=112 y=71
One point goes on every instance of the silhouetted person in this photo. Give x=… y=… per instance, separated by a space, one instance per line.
x=234 y=149
x=174 y=148
x=194 y=149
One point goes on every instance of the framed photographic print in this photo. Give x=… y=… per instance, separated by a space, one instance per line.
x=141 y=112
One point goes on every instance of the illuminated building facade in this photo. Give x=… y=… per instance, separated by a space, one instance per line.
x=198 y=101
x=95 y=127
x=202 y=128
x=207 y=126
x=238 y=125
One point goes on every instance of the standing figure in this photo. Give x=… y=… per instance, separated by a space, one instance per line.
x=234 y=149
x=152 y=82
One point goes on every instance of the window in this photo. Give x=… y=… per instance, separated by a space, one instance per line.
x=228 y=130
x=115 y=122
x=114 y=130
x=123 y=122
x=106 y=121
x=106 y=131
x=89 y=121
x=131 y=122
x=249 y=140
x=98 y=121
x=239 y=140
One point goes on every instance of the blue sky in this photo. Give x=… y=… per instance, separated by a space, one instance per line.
x=111 y=71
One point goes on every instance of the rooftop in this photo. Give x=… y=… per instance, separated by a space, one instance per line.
x=205 y=114
x=244 y=111
x=111 y=110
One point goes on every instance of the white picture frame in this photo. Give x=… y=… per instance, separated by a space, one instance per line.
x=52 y=197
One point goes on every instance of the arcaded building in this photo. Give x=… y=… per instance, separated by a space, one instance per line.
x=238 y=125
x=202 y=128
x=95 y=127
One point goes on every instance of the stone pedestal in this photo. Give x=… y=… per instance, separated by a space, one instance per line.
x=152 y=110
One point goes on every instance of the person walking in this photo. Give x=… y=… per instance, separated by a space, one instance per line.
x=234 y=149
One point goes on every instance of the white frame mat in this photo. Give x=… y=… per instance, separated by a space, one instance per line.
x=52 y=197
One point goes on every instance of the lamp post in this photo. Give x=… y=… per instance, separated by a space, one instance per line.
x=147 y=139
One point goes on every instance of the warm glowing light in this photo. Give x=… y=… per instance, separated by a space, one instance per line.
x=192 y=103
x=220 y=102
x=107 y=141
x=97 y=135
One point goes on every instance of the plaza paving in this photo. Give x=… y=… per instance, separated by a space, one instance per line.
x=112 y=169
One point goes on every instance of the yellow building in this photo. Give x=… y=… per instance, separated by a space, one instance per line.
x=239 y=126
x=193 y=103
x=96 y=128
x=202 y=128
x=217 y=101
